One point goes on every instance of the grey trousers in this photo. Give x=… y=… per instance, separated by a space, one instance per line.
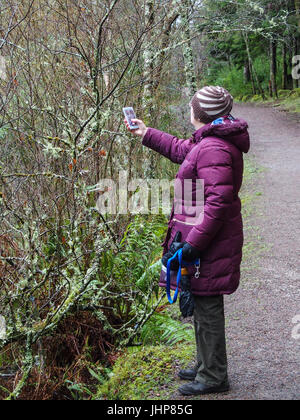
x=209 y=322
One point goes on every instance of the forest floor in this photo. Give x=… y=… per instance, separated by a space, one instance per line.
x=263 y=349
x=264 y=358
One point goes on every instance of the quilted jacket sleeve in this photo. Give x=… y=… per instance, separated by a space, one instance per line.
x=214 y=166
x=167 y=145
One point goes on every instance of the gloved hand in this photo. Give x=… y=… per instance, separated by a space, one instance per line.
x=176 y=245
x=190 y=253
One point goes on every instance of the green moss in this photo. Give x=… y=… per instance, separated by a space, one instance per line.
x=238 y=98
x=288 y=100
x=292 y=103
x=246 y=98
x=251 y=169
x=284 y=93
x=256 y=98
x=295 y=93
x=143 y=373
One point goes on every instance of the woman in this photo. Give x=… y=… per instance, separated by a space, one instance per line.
x=214 y=154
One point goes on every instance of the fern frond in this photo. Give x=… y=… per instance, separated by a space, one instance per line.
x=161 y=328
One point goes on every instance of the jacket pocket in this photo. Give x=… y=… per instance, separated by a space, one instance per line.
x=179 y=226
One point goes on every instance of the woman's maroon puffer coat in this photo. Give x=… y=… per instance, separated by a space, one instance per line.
x=214 y=154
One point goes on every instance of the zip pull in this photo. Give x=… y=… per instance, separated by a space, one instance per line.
x=197 y=274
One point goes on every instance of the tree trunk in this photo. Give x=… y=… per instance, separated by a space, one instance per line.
x=273 y=68
x=254 y=74
x=296 y=82
x=148 y=94
x=165 y=41
x=284 y=67
x=148 y=63
x=189 y=66
x=247 y=72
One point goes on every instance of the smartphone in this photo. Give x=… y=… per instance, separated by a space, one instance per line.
x=130 y=115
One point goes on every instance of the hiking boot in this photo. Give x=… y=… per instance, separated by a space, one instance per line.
x=197 y=388
x=187 y=374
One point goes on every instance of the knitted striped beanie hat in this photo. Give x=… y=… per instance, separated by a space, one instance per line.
x=210 y=103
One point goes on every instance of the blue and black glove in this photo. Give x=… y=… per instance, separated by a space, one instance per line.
x=176 y=245
x=189 y=253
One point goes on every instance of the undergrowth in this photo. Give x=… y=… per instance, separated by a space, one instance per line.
x=53 y=363
x=145 y=373
x=288 y=100
x=147 y=370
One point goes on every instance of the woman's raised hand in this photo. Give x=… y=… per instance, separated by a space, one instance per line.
x=141 y=131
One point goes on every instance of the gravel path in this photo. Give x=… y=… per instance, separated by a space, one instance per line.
x=264 y=358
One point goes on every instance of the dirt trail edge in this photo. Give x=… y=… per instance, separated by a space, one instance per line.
x=263 y=348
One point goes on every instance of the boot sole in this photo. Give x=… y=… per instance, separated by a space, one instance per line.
x=211 y=391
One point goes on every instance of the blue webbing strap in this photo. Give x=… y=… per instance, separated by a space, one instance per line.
x=178 y=256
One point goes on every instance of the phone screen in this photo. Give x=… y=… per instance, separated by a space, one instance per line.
x=130 y=115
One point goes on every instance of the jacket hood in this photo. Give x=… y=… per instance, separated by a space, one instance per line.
x=230 y=129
